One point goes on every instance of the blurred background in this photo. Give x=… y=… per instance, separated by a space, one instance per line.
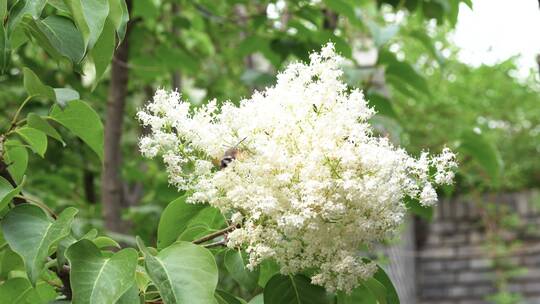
x=462 y=74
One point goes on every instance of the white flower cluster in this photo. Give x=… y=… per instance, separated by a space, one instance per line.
x=310 y=185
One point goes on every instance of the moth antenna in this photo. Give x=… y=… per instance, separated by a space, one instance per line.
x=236 y=146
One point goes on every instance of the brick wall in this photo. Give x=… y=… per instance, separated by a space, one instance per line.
x=451 y=261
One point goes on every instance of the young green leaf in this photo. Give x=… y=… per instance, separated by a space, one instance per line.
x=83 y=121
x=98 y=279
x=35 y=138
x=182 y=272
x=175 y=219
x=293 y=290
x=31 y=233
x=34 y=86
x=36 y=122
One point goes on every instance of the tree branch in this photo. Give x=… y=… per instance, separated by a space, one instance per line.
x=215 y=234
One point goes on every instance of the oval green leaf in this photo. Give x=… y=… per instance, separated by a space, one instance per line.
x=31 y=234
x=98 y=279
x=175 y=219
x=183 y=273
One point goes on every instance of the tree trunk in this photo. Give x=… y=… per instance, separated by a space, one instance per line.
x=112 y=187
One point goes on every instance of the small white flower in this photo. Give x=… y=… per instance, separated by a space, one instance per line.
x=312 y=183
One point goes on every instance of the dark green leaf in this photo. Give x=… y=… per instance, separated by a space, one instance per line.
x=344 y=8
x=31 y=233
x=5 y=49
x=175 y=219
x=377 y=289
x=103 y=51
x=382 y=105
x=404 y=71
x=293 y=290
x=182 y=272
x=35 y=138
x=57 y=35
x=99 y=279
x=83 y=121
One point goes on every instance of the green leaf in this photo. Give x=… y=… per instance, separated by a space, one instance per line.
x=83 y=121
x=174 y=220
x=131 y=296
x=377 y=289
x=182 y=272
x=119 y=15
x=57 y=35
x=21 y=8
x=267 y=269
x=382 y=34
x=414 y=206
x=103 y=51
x=404 y=72
x=258 y=299
x=483 y=152
x=36 y=122
x=344 y=8
x=427 y=42
x=7 y=192
x=3 y=9
x=17 y=159
x=223 y=297
x=359 y=295
x=14 y=290
x=31 y=234
x=382 y=105
x=35 y=138
x=89 y=16
x=293 y=290
x=65 y=95
x=34 y=86
x=98 y=279
x=103 y=241
x=238 y=271
x=5 y=49
x=381 y=277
